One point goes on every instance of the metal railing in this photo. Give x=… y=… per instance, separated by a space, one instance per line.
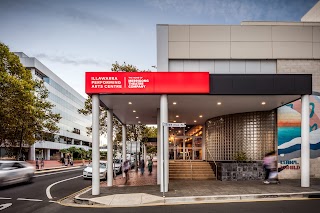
x=215 y=164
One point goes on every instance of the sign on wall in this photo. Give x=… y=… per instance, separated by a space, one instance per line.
x=147 y=82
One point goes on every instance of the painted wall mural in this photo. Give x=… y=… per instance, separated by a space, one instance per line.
x=289 y=138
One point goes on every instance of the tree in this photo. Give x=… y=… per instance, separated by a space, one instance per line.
x=25 y=114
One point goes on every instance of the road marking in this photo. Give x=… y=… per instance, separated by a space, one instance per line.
x=57 y=172
x=28 y=199
x=5 y=205
x=49 y=187
x=5 y=198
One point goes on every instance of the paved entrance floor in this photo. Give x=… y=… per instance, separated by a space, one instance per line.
x=143 y=190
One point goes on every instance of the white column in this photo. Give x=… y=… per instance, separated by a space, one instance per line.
x=158 y=147
x=32 y=152
x=305 y=144
x=164 y=144
x=124 y=146
x=203 y=142
x=47 y=154
x=95 y=146
x=110 y=147
x=144 y=153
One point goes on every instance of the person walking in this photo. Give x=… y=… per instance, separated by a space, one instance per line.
x=269 y=165
x=142 y=165
x=126 y=167
x=37 y=163
x=150 y=164
x=42 y=163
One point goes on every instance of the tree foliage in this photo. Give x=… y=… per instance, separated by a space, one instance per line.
x=25 y=114
x=134 y=132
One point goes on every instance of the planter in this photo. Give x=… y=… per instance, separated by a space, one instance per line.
x=240 y=170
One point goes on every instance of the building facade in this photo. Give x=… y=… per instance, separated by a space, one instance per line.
x=66 y=102
x=256 y=48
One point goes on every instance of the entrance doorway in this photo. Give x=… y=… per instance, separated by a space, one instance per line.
x=185 y=148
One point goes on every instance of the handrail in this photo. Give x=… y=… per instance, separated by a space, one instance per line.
x=216 y=174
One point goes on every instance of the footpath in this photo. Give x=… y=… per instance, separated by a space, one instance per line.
x=142 y=190
x=53 y=165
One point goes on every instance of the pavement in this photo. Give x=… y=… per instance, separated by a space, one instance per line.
x=142 y=190
x=53 y=165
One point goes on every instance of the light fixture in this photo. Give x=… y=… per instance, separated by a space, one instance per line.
x=263 y=103
x=130 y=102
x=200 y=116
x=219 y=103
x=179 y=131
x=137 y=117
x=177 y=116
x=174 y=121
x=174 y=103
x=139 y=122
x=133 y=111
x=195 y=121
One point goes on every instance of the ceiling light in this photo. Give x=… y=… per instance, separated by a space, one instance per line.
x=200 y=116
x=195 y=121
x=177 y=116
x=174 y=121
x=174 y=103
x=263 y=103
x=137 y=117
x=130 y=102
x=133 y=111
x=219 y=103
x=139 y=122
x=179 y=131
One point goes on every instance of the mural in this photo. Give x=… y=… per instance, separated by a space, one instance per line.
x=289 y=137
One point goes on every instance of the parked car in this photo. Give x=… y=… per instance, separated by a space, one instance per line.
x=117 y=166
x=12 y=172
x=87 y=172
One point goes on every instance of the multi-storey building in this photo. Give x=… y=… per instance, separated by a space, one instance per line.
x=66 y=102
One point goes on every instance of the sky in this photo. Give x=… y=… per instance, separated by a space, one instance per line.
x=71 y=37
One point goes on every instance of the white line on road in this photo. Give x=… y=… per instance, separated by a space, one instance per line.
x=5 y=198
x=5 y=205
x=27 y=199
x=57 y=172
x=49 y=187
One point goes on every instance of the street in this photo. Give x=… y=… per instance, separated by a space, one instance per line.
x=34 y=198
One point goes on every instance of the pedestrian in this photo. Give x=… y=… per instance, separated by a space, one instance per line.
x=42 y=163
x=62 y=161
x=68 y=159
x=66 y=162
x=37 y=163
x=150 y=164
x=71 y=161
x=142 y=165
x=83 y=161
x=269 y=165
x=126 y=167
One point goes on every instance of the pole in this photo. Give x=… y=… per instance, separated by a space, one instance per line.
x=95 y=146
x=163 y=171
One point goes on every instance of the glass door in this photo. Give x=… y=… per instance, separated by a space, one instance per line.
x=197 y=148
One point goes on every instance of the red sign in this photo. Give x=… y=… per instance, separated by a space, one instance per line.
x=147 y=82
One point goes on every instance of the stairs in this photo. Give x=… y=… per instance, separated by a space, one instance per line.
x=181 y=170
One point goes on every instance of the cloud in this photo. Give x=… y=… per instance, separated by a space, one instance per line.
x=86 y=17
x=68 y=60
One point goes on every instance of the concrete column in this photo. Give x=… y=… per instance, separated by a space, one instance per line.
x=164 y=144
x=81 y=143
x=95 y=146
x=32 y=152
x=72 y=141
x=47 y=154
x=124 y=146
x=203 y=142
x=110 y=147
x=158 y=147
x=305 y=143
x=145 y=153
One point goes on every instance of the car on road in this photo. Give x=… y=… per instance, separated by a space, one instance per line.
x=87 y=172
x=12 y=172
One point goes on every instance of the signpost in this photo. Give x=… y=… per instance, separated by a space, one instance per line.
x=163 y=156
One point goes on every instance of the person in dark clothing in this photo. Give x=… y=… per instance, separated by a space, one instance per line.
x=37 y=163
x=142 y=165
